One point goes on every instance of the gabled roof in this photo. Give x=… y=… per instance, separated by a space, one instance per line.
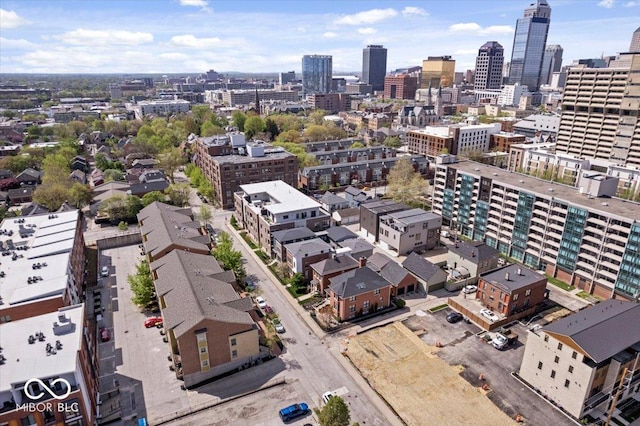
x=315 y=245
x=421 y=267
x=340 y=233
x=350 y=212
x=144 y=187
x=79 y=174
x=192 y=294
x=475 y=252
x=601 y=331
x=29 y=173
x=335 y=264
x=357 y=245
x=294 y=234
x=331 y=199
x=377 y=261
x=357 y=281
x=33 y=209
x=25 y=191
x=352 y=190
x=394 y=273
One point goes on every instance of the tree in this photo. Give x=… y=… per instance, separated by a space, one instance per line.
x=292 y=136
x=115 y=208
x=253 y=125
x=315 y=133
x=179 y=194
x=134 y=205
x=334 y=413
x=169 y=161
x=317 y=117
x=141 y=284
x=356 y=145
x=271 y=127
x=405 y=185
x=205 y=214
x=113 y=174
x=51 y=195
x=80 y=195
x=231 y=259
x=209 y=129
x=239 y=119
x=392 y=142
x=297 y=280
x=152 y=196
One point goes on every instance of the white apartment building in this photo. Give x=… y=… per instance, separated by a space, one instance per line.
x=584 y=236
x=158 y=107
x=473 y=137
x=512 y=93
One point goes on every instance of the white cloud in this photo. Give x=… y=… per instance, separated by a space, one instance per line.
x=10 y=19
x=409 y=10
x=329 y=34
x=204 y=5
x=174 y=56
x=465 y=27
x=188 y=40
x=367 y=17
x=606 y=3
x=367 y=30
x=632 y=4
x=7 y=43
x=465 y=51
x=472 y=27
x=84 y=37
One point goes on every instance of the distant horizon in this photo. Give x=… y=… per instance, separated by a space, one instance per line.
x=191 y=37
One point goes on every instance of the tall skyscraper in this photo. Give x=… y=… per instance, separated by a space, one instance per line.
x=551 y=62
x=529 y=43
x=438 y=71
x=489 y=65
x=374 y=66
x=635 y=41
x=286 y=77
x=316 y=74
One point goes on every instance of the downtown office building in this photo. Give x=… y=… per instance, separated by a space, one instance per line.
x=579 y=235
x=316 y=74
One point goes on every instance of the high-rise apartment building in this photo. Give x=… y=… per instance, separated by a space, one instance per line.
x=438 y=71
x=316 y=74
x=489 y=63
x=401 y=86
x=581 y=236
x=374 y=66
x=635 y=41
x=551 y=62
x=286 y=77
x=600 y=113
x=529 y=44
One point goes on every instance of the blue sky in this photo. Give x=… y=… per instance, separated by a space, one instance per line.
x=190 y=36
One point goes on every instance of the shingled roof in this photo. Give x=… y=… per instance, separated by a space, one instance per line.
x=421 y=268
x=337 y=264
x=357 y=281
x=188 y=284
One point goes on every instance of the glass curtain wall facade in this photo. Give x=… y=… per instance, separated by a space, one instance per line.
x=529 y=44
x=316 y=74
x=374 y=66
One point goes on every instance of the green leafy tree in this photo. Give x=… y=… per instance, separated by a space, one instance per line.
x=239 y=119
x=317 y=117
x=253 y=125
x=123 y=226
x=292 y=136
x=141 y=284
x=271 y=127
x=392 y=142
x=179 y=194
x=315 y=133
x=113 y=174
x=356 y=145
x=115 y=208
x=405 y=185
x=152 y=196
x=229 y=258
x=205 y=214
x=297 y=280
x=334 y=413
x=209 y=129
x=134 y=205
x=169 y=161
x=80 y=195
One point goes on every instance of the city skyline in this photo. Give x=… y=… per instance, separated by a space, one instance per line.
x=192 y=36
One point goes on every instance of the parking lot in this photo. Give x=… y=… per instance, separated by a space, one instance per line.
x=461 y=344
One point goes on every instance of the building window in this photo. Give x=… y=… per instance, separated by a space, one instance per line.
x=376 y=291
x=546 y=337
x=365 y=305
x=233 y=342
x=352 y=308
x=203 y=350
x=571 y=369
x=553 y=374
x=515 y=296
x=566 y=383
x=527 y=293
x=352 y=299
x=234 y=354
x=556 y=359
x=540 y=365
x=205 y=363
x=574 y=355
x=559 y=346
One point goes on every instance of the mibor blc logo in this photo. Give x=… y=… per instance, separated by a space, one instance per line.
x=50 y=391
x=47 y=406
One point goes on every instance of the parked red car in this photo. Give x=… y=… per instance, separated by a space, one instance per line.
x=105 y=336
x=152 y=322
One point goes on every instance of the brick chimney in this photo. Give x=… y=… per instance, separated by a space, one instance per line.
x=362 y=262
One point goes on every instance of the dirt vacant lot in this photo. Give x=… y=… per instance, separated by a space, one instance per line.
x=421 y=388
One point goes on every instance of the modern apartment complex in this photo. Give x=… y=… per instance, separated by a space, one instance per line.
x=489 y=63
x=579 y=362
x=374 y=66
x=246 y=97
x=402 y=86
x=454 y=139
x=573 y=234
x=437 y=72
x=529 y=43
x=43 y=265
x=228 y=162
x=600 y=113
x=316 y=74
x=409 y=230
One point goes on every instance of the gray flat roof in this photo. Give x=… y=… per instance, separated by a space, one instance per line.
x=546 y=189
x=602 y=330
x=34 y=361
x=524 y=278
x=413 y=216
x=283 y=197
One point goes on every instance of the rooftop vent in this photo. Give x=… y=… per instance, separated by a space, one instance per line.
x=506 y=276
x=605 y=204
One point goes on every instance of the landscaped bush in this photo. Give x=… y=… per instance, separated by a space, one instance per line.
x=400 y=303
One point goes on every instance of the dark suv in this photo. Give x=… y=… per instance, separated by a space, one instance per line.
x=294 y=411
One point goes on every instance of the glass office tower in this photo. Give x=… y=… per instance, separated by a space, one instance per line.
x=316 y=74
x=529 y=43
x=374 y=66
